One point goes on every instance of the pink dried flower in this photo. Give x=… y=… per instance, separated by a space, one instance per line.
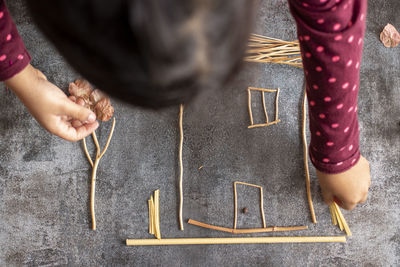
x=95 y=100
x=103 y=109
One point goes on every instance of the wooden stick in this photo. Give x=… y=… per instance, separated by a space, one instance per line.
x=261 y=201
x=305 y=155
x=265 y=109
x=263 y=124
x=249 y=106
x=150 y=202
x=157 y=214
x=341 y=219
x=87 y=152
x=108 y=139
x=247 y=231
x=94 y=171
x=262 y=207
x=96 y=142
x=262 y=89
x=276 y=104
x=180 y=166
x=235 y=205
x=92 y=193
x=235 y=240
x=333 y=214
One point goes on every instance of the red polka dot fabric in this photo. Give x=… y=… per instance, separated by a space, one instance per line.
x=331 y=34
x=13 y=55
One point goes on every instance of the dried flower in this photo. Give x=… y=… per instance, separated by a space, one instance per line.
x=390 y=37
x=95 y=100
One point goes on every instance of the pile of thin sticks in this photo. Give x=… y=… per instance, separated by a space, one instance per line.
x=154 y=215
x=264 y=49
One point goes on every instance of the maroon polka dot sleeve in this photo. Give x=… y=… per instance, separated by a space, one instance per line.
x=331 y=36
x=13 y=54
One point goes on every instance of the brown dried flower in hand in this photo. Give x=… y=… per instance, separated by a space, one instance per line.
x=95 y=100
x=390 y=37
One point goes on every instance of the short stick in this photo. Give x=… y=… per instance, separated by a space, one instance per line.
x=249 y=106
x=277 y=104
x=265 y=109
x=157 y=231
x=235 y=240
x=262 y=89
x=263 y=124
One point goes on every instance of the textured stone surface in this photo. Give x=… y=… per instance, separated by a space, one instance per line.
x=44 y=180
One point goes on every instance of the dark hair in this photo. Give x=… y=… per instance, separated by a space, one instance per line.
x=148 y=52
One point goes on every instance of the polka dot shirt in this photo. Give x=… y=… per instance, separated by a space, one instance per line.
x=331 y=34
x=13 y=54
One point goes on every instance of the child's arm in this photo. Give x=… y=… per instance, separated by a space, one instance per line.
x=331 y=36
x=50 y=106
x=45 y=101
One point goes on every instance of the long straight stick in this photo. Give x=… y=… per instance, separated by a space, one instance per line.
x=235 y=240
x=305 y=155
x=180 y=166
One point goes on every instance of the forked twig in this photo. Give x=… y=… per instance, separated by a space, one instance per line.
x=99 y=155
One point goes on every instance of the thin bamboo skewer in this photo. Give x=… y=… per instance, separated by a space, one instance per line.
x=235 y=240
x=247 y=231
x=180 y=166
x=305 y=154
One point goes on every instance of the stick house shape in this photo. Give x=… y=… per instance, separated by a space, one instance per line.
x=235 y=202
x=267 y=122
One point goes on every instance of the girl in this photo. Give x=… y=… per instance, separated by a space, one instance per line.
x=158 y=53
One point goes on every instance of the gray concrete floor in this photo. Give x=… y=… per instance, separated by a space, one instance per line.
x=44 y=180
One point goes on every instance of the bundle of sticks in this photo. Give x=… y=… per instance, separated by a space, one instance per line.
x=264 y=49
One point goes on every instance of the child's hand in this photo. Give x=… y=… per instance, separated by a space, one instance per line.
x=50 y=106
x=348 y=188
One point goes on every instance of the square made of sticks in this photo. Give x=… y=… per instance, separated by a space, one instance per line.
x=267 y=122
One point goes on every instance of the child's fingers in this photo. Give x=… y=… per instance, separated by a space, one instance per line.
x=347 y=205
x=72 y=98
x=76 y=123
x=78 y=112
x=70 y=133
x=327 y=196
